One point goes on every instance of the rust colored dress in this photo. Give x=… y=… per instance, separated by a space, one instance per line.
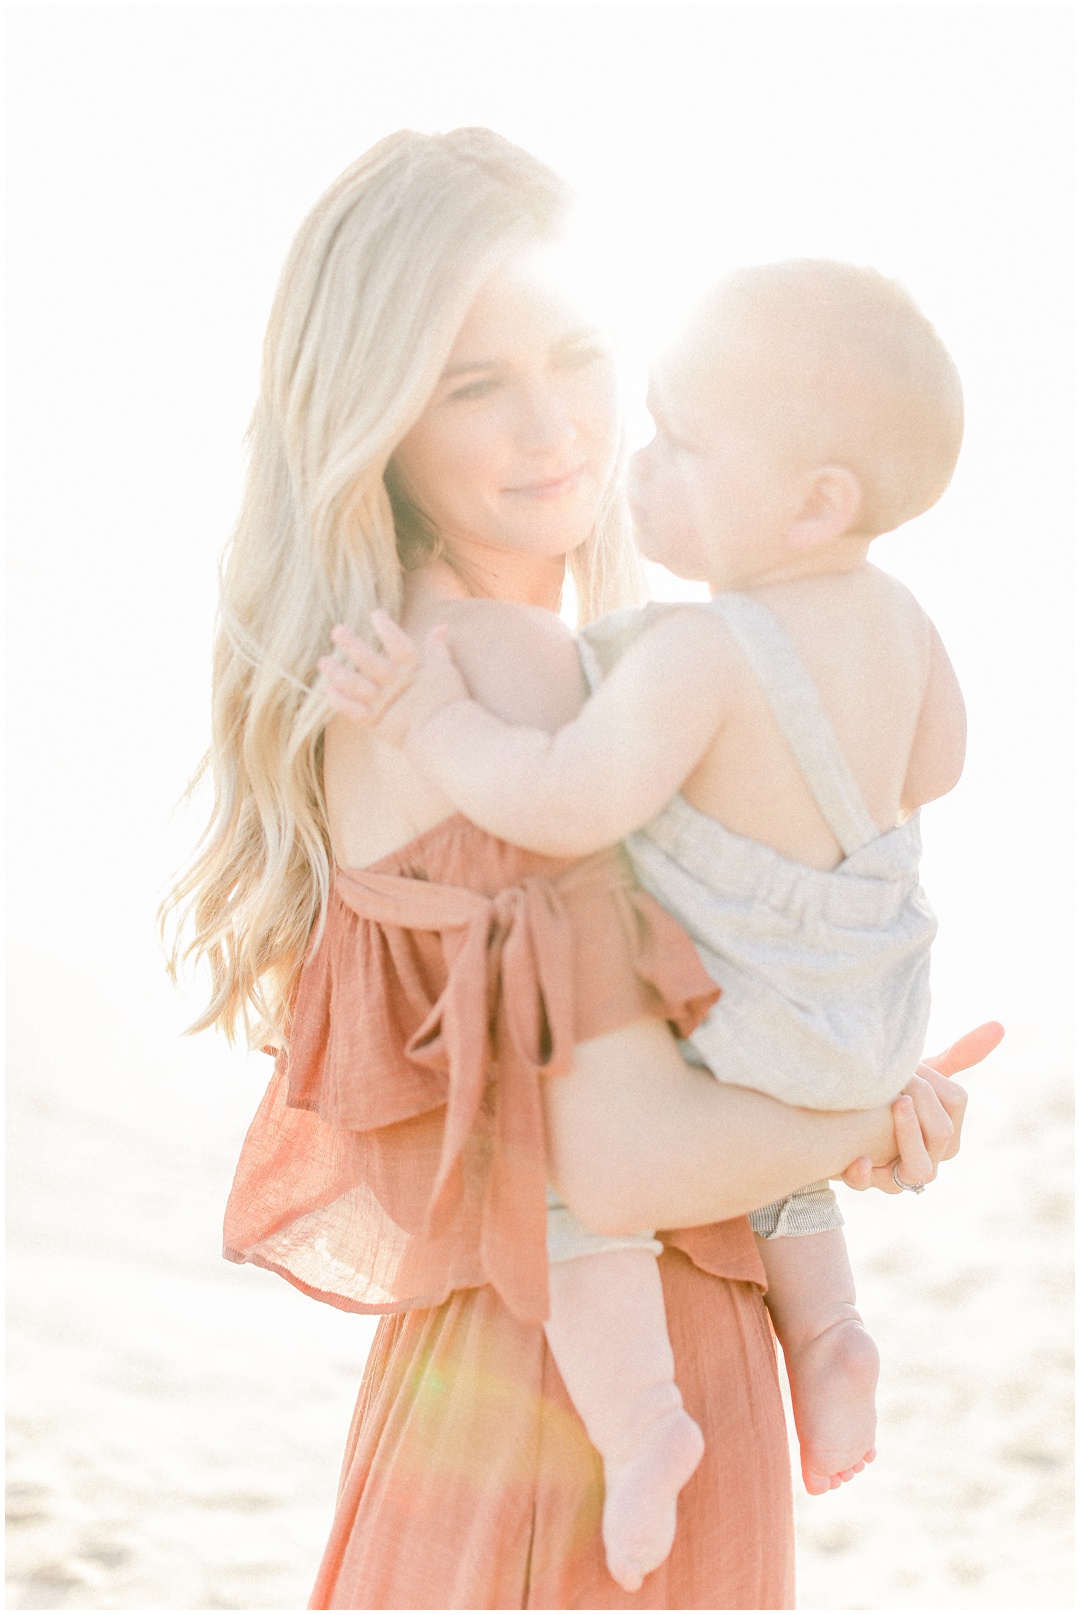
x=396 y=1165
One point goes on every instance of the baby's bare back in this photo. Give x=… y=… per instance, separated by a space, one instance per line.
x=888 y=692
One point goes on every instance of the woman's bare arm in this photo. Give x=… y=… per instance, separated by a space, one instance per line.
x=638 y=1139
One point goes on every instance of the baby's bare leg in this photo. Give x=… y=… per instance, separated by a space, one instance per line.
x=832 y=1362
x=608 y=1334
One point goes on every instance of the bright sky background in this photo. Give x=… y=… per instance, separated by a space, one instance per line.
x=162 y=157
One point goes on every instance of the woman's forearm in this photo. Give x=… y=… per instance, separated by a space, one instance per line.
x=638 y=1139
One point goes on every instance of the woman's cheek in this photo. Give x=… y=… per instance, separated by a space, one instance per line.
x=476 y=453
x=592 y=403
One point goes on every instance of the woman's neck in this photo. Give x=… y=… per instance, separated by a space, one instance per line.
x=485 y=573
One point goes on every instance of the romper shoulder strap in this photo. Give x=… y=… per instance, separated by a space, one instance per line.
x=602 y=643
x=800 y=716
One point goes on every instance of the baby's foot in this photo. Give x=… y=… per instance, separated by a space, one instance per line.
x=833 y=1379
x=640 y=1495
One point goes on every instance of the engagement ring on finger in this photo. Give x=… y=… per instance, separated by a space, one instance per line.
x=912 y=1188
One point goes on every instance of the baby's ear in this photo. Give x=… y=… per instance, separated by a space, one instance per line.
x=832 y=505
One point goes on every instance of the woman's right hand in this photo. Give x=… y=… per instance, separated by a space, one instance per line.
x=928 y=1116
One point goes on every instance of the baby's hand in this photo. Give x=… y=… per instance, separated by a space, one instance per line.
x=394 y=693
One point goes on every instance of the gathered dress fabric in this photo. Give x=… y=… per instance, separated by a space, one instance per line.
x=397 y=1166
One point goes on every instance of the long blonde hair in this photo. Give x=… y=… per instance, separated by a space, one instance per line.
x=373 y=292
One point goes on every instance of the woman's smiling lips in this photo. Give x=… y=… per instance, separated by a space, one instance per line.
x=552 y=487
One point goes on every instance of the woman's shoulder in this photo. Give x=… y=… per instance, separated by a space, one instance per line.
x=376 y=800
x=520 y=662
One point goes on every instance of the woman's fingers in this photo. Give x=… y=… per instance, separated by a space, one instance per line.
x=928 y=1117
x=968 y=1050
x=953 y=1100
x=935 y=1121
x=915 y=1164
x=959 y=1056
x=860 y=1174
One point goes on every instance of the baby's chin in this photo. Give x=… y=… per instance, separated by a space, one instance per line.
x=676 y=560
x=650 y=543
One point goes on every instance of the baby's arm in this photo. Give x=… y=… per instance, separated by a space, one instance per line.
x=937 y=753
x=598 y=777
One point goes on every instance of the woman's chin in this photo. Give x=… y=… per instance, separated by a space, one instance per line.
x=547 y=539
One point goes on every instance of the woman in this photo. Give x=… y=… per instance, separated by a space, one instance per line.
x=437 y=434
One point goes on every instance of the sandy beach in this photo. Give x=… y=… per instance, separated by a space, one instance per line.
x=176 y=1423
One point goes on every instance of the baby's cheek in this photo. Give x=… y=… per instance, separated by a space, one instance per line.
x=673 y=512
x=659 y=490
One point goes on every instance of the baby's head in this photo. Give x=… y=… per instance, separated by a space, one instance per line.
x=808 y=407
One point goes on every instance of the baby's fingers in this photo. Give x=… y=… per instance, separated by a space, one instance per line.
x=437 y=655
x=369 y=663
x=394 y=640
x=348 y=691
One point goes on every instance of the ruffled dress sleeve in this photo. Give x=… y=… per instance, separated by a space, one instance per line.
x=398 y=1154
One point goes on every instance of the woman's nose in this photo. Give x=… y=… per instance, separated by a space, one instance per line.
x=544 y=423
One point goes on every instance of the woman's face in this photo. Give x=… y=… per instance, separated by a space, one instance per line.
x=518 y=443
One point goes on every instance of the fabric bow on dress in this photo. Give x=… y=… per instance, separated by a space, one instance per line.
x=400 y=1151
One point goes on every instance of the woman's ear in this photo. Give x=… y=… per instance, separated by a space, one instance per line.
x=831 y=508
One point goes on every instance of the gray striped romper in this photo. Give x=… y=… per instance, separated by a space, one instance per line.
x=825 y=974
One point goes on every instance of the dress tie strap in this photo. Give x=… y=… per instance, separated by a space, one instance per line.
x=506 y=1011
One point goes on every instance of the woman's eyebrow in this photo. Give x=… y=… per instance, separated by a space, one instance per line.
x=580 y=333
x=577 y=334
x=468 y=365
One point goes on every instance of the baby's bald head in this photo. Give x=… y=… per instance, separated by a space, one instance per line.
x=838 y=363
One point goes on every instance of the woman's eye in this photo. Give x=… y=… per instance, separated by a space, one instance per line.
x=579 y=358
x=475 y=389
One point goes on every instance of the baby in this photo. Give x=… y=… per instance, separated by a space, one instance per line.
x=763 y=758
